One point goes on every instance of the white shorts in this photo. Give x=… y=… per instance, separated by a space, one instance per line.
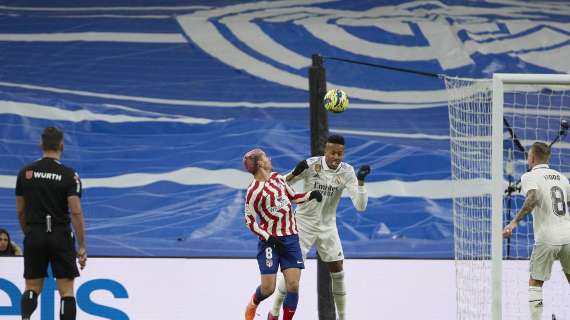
x=543 y=256
x=326 y=242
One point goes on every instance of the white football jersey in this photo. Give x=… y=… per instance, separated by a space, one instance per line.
x=317 y=216
x=551 y=222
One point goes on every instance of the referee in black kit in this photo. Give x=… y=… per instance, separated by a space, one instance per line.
x=46 y=193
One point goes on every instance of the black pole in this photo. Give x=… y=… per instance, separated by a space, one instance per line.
x=319 y=117
x=508 y=213
x=319 y=122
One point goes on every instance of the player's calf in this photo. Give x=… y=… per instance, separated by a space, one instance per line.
x=339 y=293
x=280 y=294
x=67 y=308
x=290 y=305
x=535 y=302
x=28 y=304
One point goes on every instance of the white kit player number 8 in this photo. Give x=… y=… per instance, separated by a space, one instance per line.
x=558 y=203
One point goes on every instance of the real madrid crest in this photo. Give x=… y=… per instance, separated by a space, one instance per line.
x=338 y=180
x=317 y=169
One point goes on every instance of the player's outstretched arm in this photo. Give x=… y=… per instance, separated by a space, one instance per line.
x=529 y=204
x=317 y=195
x=356 y=189
x=363 y=171
x=295 y=197
x=301 y=166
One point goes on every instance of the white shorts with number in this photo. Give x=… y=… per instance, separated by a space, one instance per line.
x=326 y=242
x=544 y=255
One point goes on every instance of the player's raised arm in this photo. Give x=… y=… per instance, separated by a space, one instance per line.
x=356 y=189
x=297 y=173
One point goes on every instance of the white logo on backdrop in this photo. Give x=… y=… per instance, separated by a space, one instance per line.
x=452 y=35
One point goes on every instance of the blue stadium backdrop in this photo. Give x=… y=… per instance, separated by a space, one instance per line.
x=160 y=100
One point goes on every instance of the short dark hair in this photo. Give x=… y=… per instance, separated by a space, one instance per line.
x=52 y=137
x=335 y=138
x=541 y=151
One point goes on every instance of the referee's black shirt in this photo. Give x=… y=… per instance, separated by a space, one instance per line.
x=45 y=185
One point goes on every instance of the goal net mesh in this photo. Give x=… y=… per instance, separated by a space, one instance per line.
x=531 y=113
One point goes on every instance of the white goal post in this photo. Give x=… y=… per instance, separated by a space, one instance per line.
x=485 y=115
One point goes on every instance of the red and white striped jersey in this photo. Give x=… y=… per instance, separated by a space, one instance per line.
x=271 y=201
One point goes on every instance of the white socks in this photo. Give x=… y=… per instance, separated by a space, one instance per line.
x=280 y=294
x=535 y=302
x=339 y=293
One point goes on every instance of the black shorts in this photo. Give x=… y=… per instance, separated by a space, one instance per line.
x=56 y=248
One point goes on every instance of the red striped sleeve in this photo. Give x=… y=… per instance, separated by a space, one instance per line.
x=298 y=198
x=250 y=212
x=250 y=191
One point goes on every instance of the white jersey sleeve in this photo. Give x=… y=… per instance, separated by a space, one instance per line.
x=358 y=194
x=528 y=183
x=304 y=174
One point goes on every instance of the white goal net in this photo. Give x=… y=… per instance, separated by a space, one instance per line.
x=531 y=109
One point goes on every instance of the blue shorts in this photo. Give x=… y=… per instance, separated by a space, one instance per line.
x=269 y=259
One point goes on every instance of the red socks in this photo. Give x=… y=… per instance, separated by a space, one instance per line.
x=288 y=313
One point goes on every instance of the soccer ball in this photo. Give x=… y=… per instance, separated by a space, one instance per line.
x=335 y=101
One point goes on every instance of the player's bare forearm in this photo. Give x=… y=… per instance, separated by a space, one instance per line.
x=360 y=183
x=529 y=204
x=20 y=206
x=79 y=227
x=22 y=220
x=289 y=177
x=77 y=220
x=78 y=223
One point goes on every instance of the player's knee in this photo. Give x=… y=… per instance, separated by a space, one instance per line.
x=292 y=285
x=35 y=285
x=281 y=285
x=65 y=287
x=267 y=289
x=335 y=266
x=535 y=283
